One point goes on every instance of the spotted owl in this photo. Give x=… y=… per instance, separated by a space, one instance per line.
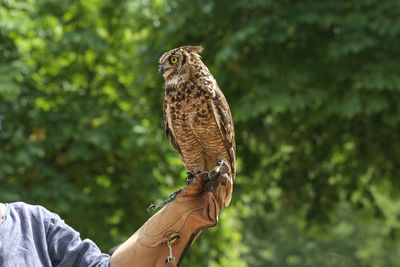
x=197 y=118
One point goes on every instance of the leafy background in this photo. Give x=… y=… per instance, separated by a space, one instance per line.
x=314 y=88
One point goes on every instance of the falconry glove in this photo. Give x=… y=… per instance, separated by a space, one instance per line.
x=166 y=237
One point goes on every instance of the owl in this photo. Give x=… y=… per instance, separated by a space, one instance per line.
x=197 y=118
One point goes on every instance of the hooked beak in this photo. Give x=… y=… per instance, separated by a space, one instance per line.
x=161 y=69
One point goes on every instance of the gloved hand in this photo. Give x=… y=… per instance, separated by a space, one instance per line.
x=166 y=237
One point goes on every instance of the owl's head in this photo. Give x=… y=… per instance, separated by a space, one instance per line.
x=174 y=61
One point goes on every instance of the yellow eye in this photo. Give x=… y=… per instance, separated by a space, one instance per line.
x=173 y=60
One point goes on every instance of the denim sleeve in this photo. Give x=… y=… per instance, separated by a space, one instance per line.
x=66 y=249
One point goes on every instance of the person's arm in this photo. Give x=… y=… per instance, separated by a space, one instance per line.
x=34 y=236
x=166 y=237
x=31 y=235
x=66 y=248
x=2 y=212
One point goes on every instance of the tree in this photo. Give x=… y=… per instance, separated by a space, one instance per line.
x=313 y=87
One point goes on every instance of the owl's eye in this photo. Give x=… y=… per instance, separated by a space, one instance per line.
x=173 y=60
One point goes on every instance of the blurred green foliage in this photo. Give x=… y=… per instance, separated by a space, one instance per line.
x=314 y=88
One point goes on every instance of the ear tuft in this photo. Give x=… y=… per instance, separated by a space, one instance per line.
x=194 y=49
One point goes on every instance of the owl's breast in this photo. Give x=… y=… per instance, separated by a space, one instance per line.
x=194 y=124
x=191 y=108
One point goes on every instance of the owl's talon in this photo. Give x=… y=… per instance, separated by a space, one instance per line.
x=190 y=177
x=220 y=161
x=214 y=174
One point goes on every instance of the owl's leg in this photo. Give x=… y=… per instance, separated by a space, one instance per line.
x=190 y=176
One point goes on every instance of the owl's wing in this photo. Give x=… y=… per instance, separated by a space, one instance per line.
x=223 y=117
x=169 y=127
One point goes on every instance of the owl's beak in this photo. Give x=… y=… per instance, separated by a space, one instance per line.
x=161 y=69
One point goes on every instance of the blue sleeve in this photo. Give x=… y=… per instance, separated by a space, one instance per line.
x=66 y=248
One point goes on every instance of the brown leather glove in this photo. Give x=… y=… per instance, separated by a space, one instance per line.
x=166 y=237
